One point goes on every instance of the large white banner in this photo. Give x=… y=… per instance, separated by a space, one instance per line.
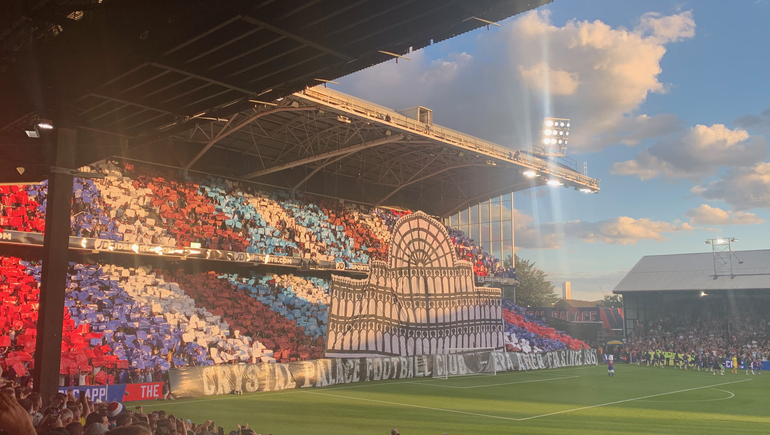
x=249 y=378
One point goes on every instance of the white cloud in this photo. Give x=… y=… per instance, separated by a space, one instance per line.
x=707 y=215
x=696 y=153
x=622 y=230
x=617 y=231
x=667 y=28
x=630 y=131
x=542 y=78
x=593 y=73
x=759 y=122
x=528 y=236
x=743 y=188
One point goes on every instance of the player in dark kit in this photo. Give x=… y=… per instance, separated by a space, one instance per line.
x=719 y=365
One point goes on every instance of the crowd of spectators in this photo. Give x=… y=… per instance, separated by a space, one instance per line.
x=125 y=325
x=703 y=331
x=163 y=207
x=484 y=263
x=22 y=413
x=133 y=324
x=19 y=211
x=525 y=332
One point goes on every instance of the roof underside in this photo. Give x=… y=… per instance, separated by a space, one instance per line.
x=688 y=272
x=130 y=75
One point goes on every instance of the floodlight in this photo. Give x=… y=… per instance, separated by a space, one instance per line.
x=45 y=124
x=720 y=241
x=702 y=293
x=530 y=174
x=554 y=183
x=586 y=190
x=32 y=132
x=554 y=132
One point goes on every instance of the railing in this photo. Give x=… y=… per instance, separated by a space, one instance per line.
x=353 y=104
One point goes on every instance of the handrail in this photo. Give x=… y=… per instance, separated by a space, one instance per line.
x=357 y=105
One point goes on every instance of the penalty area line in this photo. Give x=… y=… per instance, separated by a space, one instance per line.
x=631 y=400
x=413 y=406
x=436 y=384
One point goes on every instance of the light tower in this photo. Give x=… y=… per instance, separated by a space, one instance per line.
x=722 y=253
x=555 y=137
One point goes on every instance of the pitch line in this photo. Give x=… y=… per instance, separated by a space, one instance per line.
x=731 y=395
x=518 y=419
x=435 y=384
x=414 y=406
x=631 y=400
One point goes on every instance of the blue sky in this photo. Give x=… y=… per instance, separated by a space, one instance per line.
x=667 y=102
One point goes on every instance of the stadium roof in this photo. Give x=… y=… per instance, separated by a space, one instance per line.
x=688 y=272
x=329 y=143
x=225 y=88
x=132 y=73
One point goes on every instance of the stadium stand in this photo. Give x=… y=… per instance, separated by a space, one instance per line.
x=141 y=205
x=18 y=211
x=126 y=321
x=134 y=319
x=705 y=328
x=527 y=333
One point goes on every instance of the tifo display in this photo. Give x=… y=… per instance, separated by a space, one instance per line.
x=121 y=323
x=422 y=301
x=132 y=324
x=145 y=206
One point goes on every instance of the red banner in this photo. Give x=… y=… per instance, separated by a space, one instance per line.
x=146 y=391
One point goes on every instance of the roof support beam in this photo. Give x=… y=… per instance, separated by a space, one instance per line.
x=205 y=79
x=297 y=38
x=132 y=103
x=417 y=180
x=223 y=135
x=342 y=151
x=323 y=165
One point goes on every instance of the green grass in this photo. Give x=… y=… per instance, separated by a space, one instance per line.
x=580 y=400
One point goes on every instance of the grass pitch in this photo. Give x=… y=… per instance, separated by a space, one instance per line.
x=579 y=400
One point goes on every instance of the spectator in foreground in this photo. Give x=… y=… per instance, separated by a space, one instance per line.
x=13 y=418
